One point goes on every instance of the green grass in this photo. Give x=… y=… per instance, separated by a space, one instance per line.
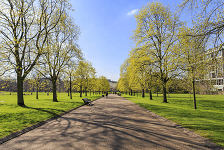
x=207 y=120
x=14 y=118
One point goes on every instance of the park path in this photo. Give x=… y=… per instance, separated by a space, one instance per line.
x=112 y=123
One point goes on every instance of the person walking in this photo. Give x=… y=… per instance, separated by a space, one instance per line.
x=107 y=94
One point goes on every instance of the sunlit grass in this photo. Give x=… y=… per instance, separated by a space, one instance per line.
x=14 y=118
x=207 y=120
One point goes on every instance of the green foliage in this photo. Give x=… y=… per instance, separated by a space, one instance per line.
x=85 y=75
x=103 y=84
x=123 y=83
x=27 y=28
x=141 y=70
x=156 y=54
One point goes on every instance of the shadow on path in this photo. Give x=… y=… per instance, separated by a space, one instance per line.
x=110 y=123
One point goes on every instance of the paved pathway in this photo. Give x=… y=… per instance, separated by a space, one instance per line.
x=112 y=123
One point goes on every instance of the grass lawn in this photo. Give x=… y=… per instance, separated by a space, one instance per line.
x=207 y=120
x=14 y=118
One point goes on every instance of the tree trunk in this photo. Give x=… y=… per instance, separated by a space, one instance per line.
x=194 y=98
x=90 y=92
x=70 y=88
x=150 y=93
x=157 y=91
x=164 y=93
x=68 y=91
x=26 y=86
x=37 y=89
x=143 y=93
x=131 y=92
x=45 y=85
x=86 y=90
x=137 y=93
x=20 y=100
x=80 y=91
x=168 y=92
x=54 y=90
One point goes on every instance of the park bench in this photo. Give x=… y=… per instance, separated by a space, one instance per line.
x=86 y=101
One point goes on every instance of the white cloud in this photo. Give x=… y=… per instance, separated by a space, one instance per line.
x=132 y=12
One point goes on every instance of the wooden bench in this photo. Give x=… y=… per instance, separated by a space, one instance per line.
x=86 y=101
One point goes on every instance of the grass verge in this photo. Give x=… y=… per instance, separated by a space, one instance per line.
x=207 y=120
x=14 y=118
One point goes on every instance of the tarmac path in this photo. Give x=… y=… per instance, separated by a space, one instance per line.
x=112 y=123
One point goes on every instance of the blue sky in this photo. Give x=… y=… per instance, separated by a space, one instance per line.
x=106 y=27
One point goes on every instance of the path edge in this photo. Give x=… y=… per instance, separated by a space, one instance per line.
x=207 y=142
x=23 y=131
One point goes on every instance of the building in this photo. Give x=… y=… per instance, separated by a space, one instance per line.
x=113 y=85
x=215 y=74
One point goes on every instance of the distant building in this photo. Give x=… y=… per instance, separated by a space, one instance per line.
x=113 y=85
x=215 y=74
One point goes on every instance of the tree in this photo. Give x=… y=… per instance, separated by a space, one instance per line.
x=84 y=73
x=123 y=83
x=90 y=74
x=193 y=56
x=60 y=50
x=92 y=84
x=91 y=81
x=157 y=85
x=103 y=84
x=46 y=85
x=31 y=82
x=208 y=14
x=37 y=78
x=140 y=70
x=156 y=32
x=6 y=83
x=69 y=75
x=80 y=75
x=24 y=29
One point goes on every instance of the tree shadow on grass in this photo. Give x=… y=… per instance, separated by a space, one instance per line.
x=52 y=111
x=211 y=120
x=212 y=103
x=44 y=110
x=116 y=126
x=113 y=124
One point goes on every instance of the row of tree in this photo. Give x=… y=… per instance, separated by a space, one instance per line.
x=36 y=35
x=69 y=81
x=166 y=50
x=39 y=40
x=83 y=78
